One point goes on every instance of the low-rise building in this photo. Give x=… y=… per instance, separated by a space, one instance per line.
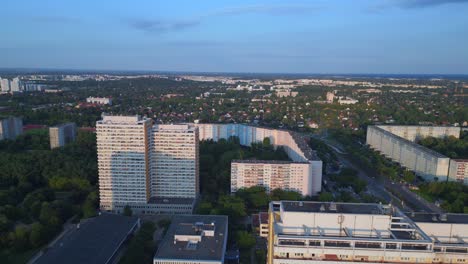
x=96 y=240
x=260 y=224
x=99 y=100
x=194 y=239
x=344 y=100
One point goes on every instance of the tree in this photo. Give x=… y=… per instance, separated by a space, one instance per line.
x=38 y=235
x=232 y=206
x=260 y=256
x=20 y=238
x=325 y=197
x=280 y=194
x=90 y=205
x=255 y=197
x=204 y=207
x=409 y=176
x=127 y=211
x=244 y=239
x=141 y=246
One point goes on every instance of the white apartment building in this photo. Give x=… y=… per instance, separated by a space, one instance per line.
x=62 y=134
x=330 y=97
x=151 y=169
x=316 y=232
x=11 y=127
x=5 y=85
x=458 y=170
x=99 y=100
x=397 y=143
x=123 y=161
x=174 y=161
x=286 y=175
x=16 y=85
x=294 y=145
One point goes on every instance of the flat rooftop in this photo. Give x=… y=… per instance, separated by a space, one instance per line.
x=209 y=248
x=135 y=119
x=326 y=207
x=439 y=218
x=95 y=241
x=268 y=161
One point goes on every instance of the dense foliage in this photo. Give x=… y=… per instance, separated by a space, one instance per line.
x=454 y=196
x=141 y=247
x=216 y=157
x=451 y=147
x=40 y=189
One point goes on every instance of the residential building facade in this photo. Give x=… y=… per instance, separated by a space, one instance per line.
x=175 y=161
x=123 y=161
x=11 y=127
x=286 y=175
x=398 y=144
x=458 y=170
x=62 y=134
x=294 y=145
x=152 y=169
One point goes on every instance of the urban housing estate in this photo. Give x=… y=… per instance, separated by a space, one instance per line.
x=155 y=168
x=152 y=169
x=303 y=174
x=398 y=144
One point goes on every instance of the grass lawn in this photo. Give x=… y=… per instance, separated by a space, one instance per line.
x=9 y=257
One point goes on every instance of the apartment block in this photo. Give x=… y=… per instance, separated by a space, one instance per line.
x=174 y=161
x=11 y=127
x=318 y=232
x=4 y=85
x=291 y=176
x=123 y=161
x=458 y=170
x=398 y=144
x=62 y=134
x=152 y=169
x=294 y=145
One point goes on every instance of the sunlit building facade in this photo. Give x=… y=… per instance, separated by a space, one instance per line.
x=62 y=134
x=398 y=144
x=304 y=173
x=152 y=169
x=316 y=232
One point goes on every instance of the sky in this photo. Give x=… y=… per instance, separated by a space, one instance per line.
x=315 y=36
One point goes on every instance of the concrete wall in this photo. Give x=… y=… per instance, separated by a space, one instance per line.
x=424 y=162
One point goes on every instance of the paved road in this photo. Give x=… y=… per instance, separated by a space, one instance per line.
x=384 y=188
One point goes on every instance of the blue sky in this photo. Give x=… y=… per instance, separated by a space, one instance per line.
x=329 y=36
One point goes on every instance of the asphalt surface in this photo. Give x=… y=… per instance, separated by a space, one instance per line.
x=384 y=188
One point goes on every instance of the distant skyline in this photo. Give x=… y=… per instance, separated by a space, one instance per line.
x=359 y=36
